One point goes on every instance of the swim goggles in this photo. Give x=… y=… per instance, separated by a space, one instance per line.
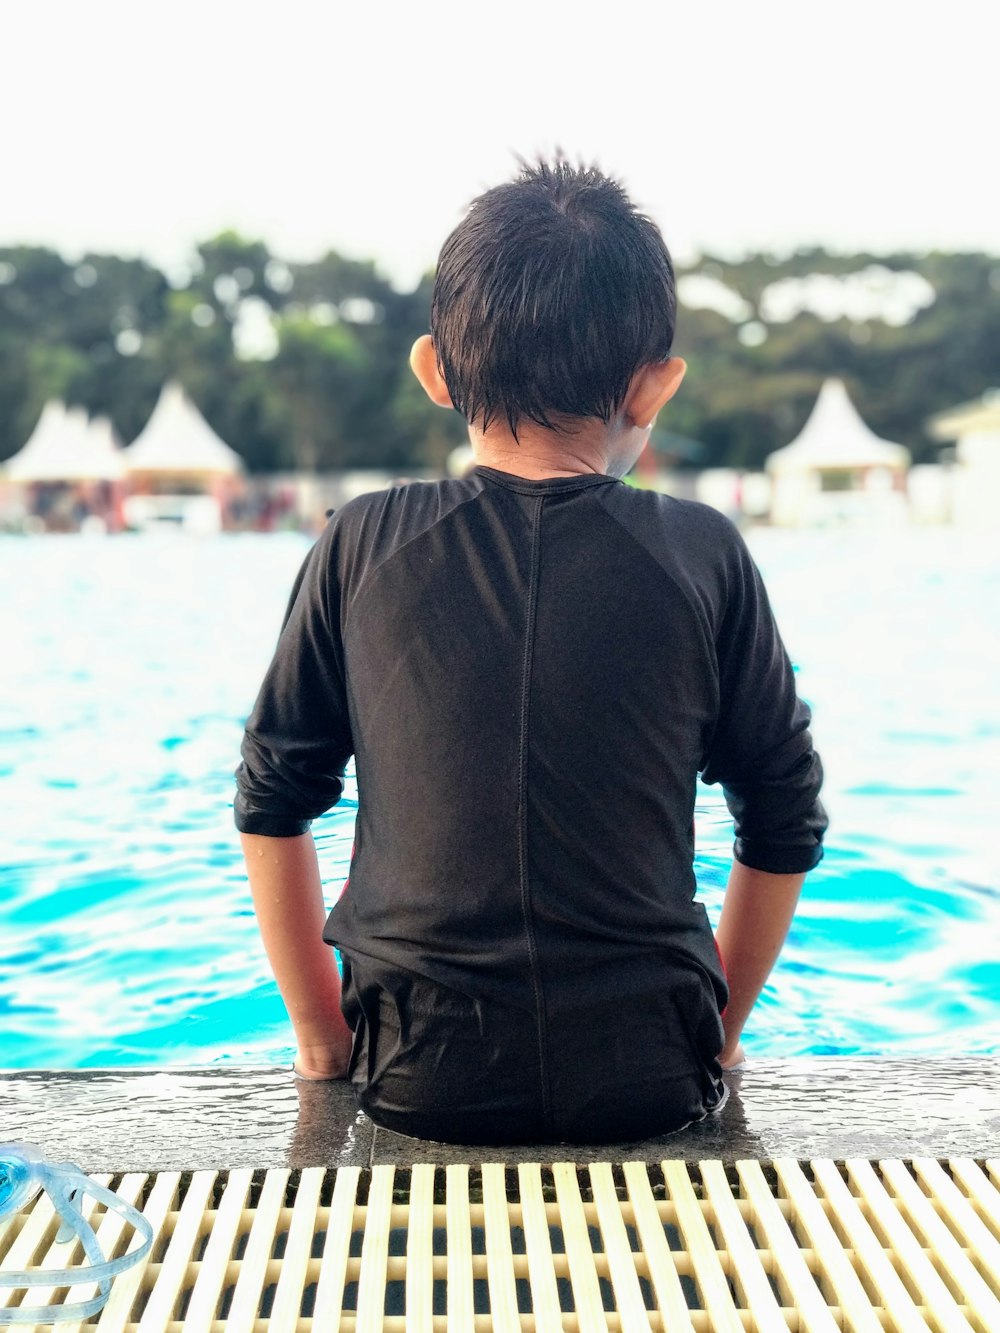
x=24 y=1173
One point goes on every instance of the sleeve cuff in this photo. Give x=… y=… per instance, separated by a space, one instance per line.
x=268 y=825
x=777 y=860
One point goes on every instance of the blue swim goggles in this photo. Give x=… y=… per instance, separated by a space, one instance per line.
x=24 y=1173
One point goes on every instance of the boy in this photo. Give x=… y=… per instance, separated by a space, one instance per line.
x=531 y=666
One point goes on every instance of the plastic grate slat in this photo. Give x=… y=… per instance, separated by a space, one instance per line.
x=173 y=1275
x=461 y=1307
x=375 y=1250
x=660 y=1260
x=700 y=1245
x=579 y=1251
x=339 y=1229
x=420 y=1251
x=218 y=1260
x=792 y=1269
x=832 y=1259
x=621 y=1263
x=808 y=1247
x=249 y=1286
x=911 y=1260
x=874 y=1262
x=748 y=1270
x=295 y=1262
x=947 y=1247
x=110 y=1233
x=538 y=1243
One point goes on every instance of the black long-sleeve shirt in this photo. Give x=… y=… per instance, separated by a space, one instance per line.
x=531 y=675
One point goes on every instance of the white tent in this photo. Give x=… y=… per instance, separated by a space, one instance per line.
x=40 y=442
x=835 y=438
x=978 y=418
x=837 y=470
x=177 y=439
x=105 y=456
x=65 y=447
x=974 y=478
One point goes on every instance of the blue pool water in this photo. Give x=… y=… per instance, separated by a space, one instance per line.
x=128 y=667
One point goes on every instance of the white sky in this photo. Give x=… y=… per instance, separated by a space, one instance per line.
x=145 y=127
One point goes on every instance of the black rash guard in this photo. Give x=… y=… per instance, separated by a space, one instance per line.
x=531 y=675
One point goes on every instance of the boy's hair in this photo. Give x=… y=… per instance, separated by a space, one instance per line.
x=549 y=296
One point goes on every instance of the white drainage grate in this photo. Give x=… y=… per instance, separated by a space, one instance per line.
x=809 y=1247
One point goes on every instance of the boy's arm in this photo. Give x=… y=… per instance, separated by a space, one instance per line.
x=288 y=899
x=762 y=754
x=296 y=744
x=756 y=915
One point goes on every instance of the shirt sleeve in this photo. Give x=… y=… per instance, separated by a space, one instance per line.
x=298 y=737
x=761 y=750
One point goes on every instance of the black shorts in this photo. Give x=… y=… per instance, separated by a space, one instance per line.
x=434 y=1063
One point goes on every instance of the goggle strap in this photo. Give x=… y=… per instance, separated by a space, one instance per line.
x=66 y=1188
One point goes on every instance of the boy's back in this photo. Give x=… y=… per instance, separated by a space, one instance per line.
x=531 y=674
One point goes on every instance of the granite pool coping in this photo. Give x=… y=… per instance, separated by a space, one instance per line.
x=187 y=1119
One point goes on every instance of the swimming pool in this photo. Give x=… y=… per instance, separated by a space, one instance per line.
x=129 y=664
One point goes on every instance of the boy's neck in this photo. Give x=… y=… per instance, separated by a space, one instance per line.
x=537 y=453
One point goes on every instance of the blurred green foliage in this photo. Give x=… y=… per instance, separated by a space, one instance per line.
x=305 y=365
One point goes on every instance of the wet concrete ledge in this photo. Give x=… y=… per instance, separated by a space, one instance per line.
x=211 y=1118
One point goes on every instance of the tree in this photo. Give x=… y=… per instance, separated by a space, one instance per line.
x=320 y=372
x=335 y=390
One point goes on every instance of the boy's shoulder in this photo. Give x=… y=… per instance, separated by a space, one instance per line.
x=370 y=527
x=688 y=528
x=415 y=497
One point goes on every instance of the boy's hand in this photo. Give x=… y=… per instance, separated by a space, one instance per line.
x=321 y=1062
x=732 y=1056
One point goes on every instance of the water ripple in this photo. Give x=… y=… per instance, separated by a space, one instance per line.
x=128 y=932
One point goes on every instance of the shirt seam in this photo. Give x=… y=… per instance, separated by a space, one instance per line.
x=373 y=571
x=522 y=801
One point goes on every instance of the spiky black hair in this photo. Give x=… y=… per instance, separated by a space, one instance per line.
x=549 y=295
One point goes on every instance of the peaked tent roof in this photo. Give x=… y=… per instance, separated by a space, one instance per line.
x=104 y=449
x=835 y=436
x=64 y=446
x=177 y=438
x=40 y=442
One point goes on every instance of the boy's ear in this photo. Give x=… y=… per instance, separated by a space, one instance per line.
x=424 y=364
x=652 y=387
